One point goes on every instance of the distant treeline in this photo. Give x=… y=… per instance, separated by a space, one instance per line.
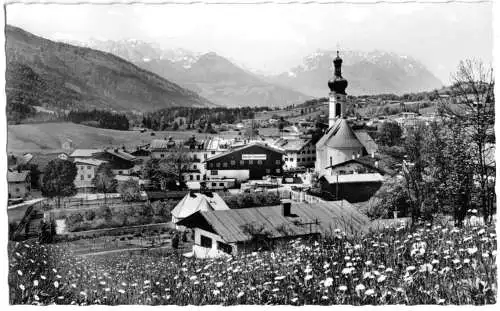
x=194 y=118
x=99 y=118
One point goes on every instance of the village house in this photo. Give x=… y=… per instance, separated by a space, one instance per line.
x=237 y=231
x=86 y=171
x=19 y=184
x=298 y=153
x=253 y=161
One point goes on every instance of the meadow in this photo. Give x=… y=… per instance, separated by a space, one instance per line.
x=428 y=265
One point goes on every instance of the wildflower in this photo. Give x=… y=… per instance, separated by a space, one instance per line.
x=279 y=278
x=388 y=270
x=294 y=300
x=368 y=263
x=434 y=261
x=21 y=286
x=328 y=282
x=342 y=288
x=410 y=268
x=472 y=250
x=56 y=284
x=107 y=289
x=102 y=283
x=83 y=293
x=466 y=260
x=456 y=261
x=381 y=278
x=308 y=277
x=440 y=301
x=192 y=278
x=240 y=295
x=35 y=283
x=426 y=268
x=20 y=272
x=219 y=284
x=486 y=255
x=36 y=297
x=121 y=291
x=276 y=290
x=324 y=297
x=480 y=232
x=369 y=292
x=360 y=287
x=73 y=285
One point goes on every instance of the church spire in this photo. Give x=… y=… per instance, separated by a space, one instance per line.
x=337 y=83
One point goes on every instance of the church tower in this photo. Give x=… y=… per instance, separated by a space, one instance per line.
x=337 y=86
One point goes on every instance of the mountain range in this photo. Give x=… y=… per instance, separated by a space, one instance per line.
x=368 y=73
x=41 y=72
x=221 y=81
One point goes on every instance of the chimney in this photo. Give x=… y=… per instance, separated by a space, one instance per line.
x=373 y=154
x=287 y=206
x=376 y=164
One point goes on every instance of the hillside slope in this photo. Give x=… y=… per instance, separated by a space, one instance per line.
x=58 y=75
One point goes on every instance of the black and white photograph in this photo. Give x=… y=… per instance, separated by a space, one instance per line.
x=216 y=153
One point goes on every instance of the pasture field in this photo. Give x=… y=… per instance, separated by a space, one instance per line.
x=49 y=137
x=428 y=265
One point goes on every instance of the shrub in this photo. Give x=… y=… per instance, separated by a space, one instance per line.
x=89 y=215
x=104 y=212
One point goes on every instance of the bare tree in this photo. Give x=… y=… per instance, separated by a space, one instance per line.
x=471 y=105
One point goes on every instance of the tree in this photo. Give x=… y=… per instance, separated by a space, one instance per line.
x=130 y=190
x=177 y=161
x=389 y=134
x=471 y=106
x=58 y=180
x=104 y=180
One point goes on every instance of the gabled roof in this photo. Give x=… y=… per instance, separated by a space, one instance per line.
x=84 y=153
x=318 y=218
x=120 y=154
x=364 y=163
x=194 y=202
x=161 y=144
x=263 y=145
x=17 y=176
x=292 y=144
x=367 y=141
x=340 y=136
x=353 y=178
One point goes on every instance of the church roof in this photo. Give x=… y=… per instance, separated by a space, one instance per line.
x=340 y=136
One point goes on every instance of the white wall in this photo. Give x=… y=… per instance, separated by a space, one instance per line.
x=240 y=175
x=203 y=252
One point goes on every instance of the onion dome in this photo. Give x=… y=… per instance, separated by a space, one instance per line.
x=337 y=84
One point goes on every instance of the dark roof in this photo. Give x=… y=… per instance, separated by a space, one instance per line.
x=340 y=136
x=367 y=141
x=230 y=224
x=120 y=154
x=263 y=145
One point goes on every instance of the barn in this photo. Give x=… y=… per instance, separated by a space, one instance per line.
x=252 y=161
x=235 y=231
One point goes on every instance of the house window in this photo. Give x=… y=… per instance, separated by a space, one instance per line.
x=224 y=164
x=226 y=248
x=82 y=177
x=88 y=167
x=213 y=172
x=286 y=159
x=331 y=160
x=162 y=155
x=278 y=170
x=221 y=184
x=298 y=159
x=242 y=162
x=233 y=162
x=120 y=172
x=190 y=177
x=268 y=171
x=197 y=177
x=217 y=164
x=205 y=156
x=17 y=190
x=194 y=167
x=259 y=162
x=278 y=162
x=250 y=162
x=206 y=242
x=89 y=176
x=213 y=152
x=214 y=184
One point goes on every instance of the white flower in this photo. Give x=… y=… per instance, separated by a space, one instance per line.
x=472 y=250
x=56 y=284
x=434 y=261
x=360 y=287
x=294 y=299
x=240 y=294
x=21 y=286
x=381 y=278
x=279 y=278
x=466 y=260
x=342 y=288
x=192 y=278
x=216 y=292
x=482 y=231
x=219 y=284
x=369 y=292
x=35 y=283
x=20 y=272
x=388 y=270
x=308 y=277
x=121 y=291
x=328 y=282
x=368 y=263
x=410 y=268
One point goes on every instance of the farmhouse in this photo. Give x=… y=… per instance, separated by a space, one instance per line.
x=298 y=152
x=86 y=170
x=235 y=231
x=252 y=161
x=19 y=184
x=194 y=202
x=352 y=187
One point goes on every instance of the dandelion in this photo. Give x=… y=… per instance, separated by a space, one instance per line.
x=370 y=292
x=368 y=263
x=83 y=293
x=324 y=297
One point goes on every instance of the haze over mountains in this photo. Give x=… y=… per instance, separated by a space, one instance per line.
x=222 y=81
x=54 y=74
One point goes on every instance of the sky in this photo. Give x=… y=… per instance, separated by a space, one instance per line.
x=273 y=38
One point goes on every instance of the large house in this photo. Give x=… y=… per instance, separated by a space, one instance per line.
x=298 y=152
x=236 y=231
x=194 y=202
x=86 y=170
x=252 y=161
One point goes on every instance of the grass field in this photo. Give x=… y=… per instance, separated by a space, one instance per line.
x=49 y=137
x=429 y=265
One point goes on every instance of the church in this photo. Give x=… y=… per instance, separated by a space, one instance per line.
x=339 y=143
